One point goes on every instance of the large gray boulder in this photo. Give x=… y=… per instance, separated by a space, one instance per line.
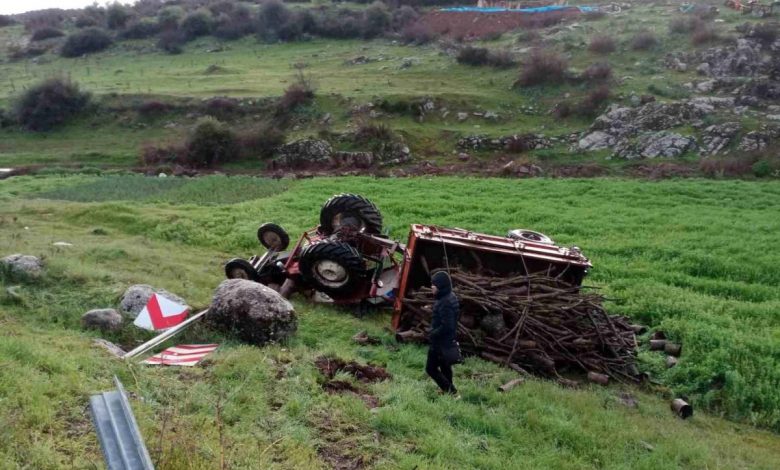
x=104 y=319
x=23 y=265
x=137 y=296
x=252 y=312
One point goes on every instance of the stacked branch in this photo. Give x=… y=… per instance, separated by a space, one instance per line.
x=532 y=323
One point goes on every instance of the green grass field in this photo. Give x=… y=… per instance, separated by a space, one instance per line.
x=694 y=258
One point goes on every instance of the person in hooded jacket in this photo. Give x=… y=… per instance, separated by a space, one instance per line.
x=446 y=311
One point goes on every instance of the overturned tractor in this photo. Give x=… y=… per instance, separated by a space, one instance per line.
x=521 y=296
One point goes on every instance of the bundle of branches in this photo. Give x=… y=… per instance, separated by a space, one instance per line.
x=532 y=322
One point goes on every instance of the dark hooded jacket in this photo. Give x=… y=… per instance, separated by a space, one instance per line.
x=446 y=311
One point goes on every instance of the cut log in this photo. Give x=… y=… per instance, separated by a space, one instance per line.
x=511 y=384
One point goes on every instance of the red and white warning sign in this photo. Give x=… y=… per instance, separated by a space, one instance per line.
x=161 y=313
x=182 y=355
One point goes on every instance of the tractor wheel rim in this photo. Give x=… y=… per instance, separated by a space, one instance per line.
x=272 y=240
x=344 y=220
x=238 y=273
x=331 y=274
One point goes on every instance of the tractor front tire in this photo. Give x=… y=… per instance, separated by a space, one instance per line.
x=273 y=237
x=331 y=267
x=238 y=268
x=350 y=210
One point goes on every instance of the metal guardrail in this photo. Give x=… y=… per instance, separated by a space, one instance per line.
x=121 y=441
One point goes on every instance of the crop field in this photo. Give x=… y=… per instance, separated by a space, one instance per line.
x=694 y=258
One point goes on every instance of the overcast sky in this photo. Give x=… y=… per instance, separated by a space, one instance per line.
x=21 y=6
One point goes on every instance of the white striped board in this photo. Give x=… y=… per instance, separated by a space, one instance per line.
x=182 y=355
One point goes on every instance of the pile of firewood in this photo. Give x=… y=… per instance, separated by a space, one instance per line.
x=533 y=323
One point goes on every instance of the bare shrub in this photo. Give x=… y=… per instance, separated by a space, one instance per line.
x=171 y=41
x=117 y=16
x=152 y=108
x=403 y=16
x=234 y=25
x=169 y=17
x=765 y=33
x=644 y=40
x=594 y=103
x=156 y=155
x=85 y=41
x=211 y=142
x=477 y=56
x=49 y=104
x=141 y=29
x=299 y=93
x=196 y=24
x=704 y=35
x=46 y=33
x=542 y=67
x=261 y=140
x=418 y=33
x=597 y=72
x=51 y=18
x=276 y=22
x=376 y=20
x=369 y=132
x=221 y=108
x=594 y=15
x=602 y=44
x=6 y=21
x=685 y=25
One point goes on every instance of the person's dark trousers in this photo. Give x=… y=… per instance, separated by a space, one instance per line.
x=440 y=371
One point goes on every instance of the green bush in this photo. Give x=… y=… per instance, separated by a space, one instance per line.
x=197 y=24
x=117 y=16
x=211 y=142
x=50 y=103
x=85 y=41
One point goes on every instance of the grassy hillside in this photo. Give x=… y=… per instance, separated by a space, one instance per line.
x=133 y=71
x=694 y=258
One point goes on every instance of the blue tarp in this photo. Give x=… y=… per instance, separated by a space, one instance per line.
x=544 y=9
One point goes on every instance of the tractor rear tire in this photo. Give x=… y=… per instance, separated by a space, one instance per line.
x=332 y=267
x=349 y=210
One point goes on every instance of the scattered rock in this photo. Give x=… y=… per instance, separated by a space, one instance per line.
x=596 y=140
x=23 y=265
x=104 y=319
x=352 y=159
x=109 y=346
x=753 y=141
x=462 y=116
x=718 y=136
x=706 y=86
x=62 y=244
x=362 y=337
x=303 y=153
x=515 y=143
x=252 y=312
x=137 y=296
x=655 y=144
